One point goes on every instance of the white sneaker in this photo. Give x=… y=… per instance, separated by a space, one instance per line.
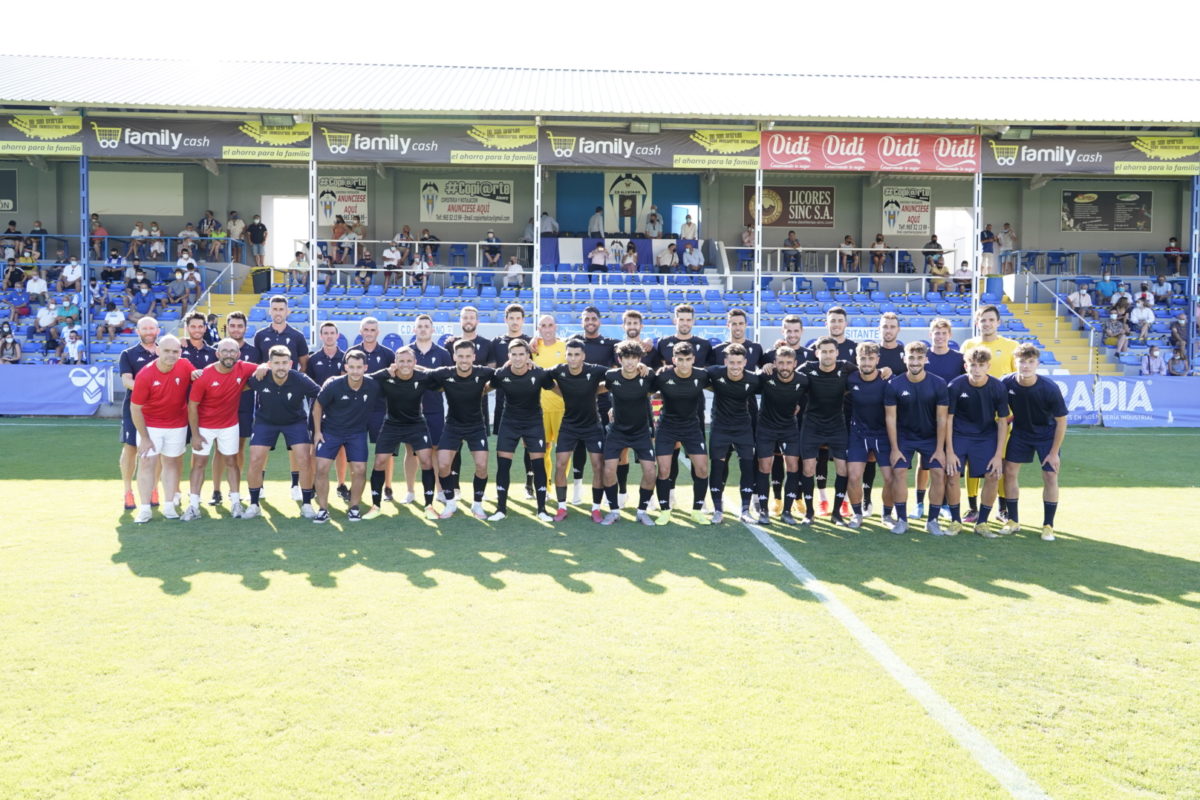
x=253 y=511
x=854 y=522
x=168 y=510
x=297 y=493
x=544 y=517
x=499 y=515
x=645 y=518
x=621 y=498
x=900 y=526
x=477 y=511
x=236 y=509
x=144 y=515
x=407 y=499
x=933 y=528
x=868 y=510
x=610 y=517
x=307 y=511
x=577 y=493
x=190 y=513
x=450 y=508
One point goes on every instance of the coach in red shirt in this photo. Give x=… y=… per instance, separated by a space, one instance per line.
x=159 y=411
x=212 y=413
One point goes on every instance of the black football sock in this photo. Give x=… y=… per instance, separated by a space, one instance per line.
x=956 y=512
x=254 y=496
x=597 y=496
x=1048 y=511
x=644 y=496
x=664 y=492
x=622 y=477
x=539 y=483
x=306 y=496
x=777 y=473
x=674 y=466
x=868 y=482
x=822 y=476
x=377 y=476
x=973 y=502
x=560 y=494
x=793 y=488
x=1012 y=511
x=503 y=471
x=762 y=488
x=716 y=482
x=428 y=485
x=984 y=513
x=610 y=494
x=295 y=479
x=699 y=489
x=480 y=485
x=920 y=496
x=528 y=473
x=839 y=493
x=902 y=511
x=805 y=483
x=746 y=480
x=456 y=464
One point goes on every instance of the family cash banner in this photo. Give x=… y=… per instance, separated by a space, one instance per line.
x=1145 y=155
x=182 y=138
x=869 y=152
x=41 y=135
x=476 y=144
x=605 y=147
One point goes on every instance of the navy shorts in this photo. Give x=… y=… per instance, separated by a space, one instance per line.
x=615 y=441
x=395 y=434
x=975 y=451
x=375 y=424
x=436 y=423
x=453 y=437
x=513 y=431
x=266 y=435
x=859 y=448
x=768 y=440
x=814 y=437
x=356 y=446
x=1021 y=448
x=128 y=431
x=689 y=435
x=722 y=439
x=569 y=437
x=921 y=447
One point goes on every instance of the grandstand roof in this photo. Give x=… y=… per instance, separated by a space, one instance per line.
x=120 y=84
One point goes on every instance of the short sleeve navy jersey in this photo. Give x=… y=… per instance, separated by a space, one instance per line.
x=500 y=348
x=378 y=358
x=289 y=337
x=629 y=401
x=579 y=393
x=893 y=359
x=803 y=355
x=433 y=358
x=1035 y=408
x=666 y=346
x=916 y=405
x=730 y=408
x=322 y=366
x=200 y=356
x=346 y=410
x=599 y=350
x=249 y=354
x=866 y=406
x=975 y=408
x=826 y=407
x=847 y=350
x=485 y=350
x=522 y=393
x=947 y=366
x=132 y=361
x=754 y=354
x=403 y=395
x=781 y=399
x=463 y=393
x=681 y=396
x=284 y=404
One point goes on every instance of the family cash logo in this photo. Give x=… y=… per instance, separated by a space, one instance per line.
x=92 y=381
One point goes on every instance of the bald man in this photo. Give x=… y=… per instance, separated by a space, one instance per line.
x=158 y=407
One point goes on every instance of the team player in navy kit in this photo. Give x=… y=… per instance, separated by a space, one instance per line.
x=377 y=357
x=630 y=388
x=280 y=332
x=133 y=359
x=341 y=418
x=1039 y=425
x=464 y=386
x=868 y=441
x=581 y=384
x=783 y=392
x=825 y=423
x=521 y=382
x=430 y=355
x=975 y=446
x=682 y=390
x=733 y=391
x=404 y=389
x=598 y=350
x=915 y=408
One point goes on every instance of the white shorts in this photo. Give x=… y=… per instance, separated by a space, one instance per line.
x=988 y=260
x=169 y=442
x=228 y=442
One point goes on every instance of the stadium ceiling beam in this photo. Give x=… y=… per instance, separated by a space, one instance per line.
x=380 y=170
x=1038 y=181
x=211 y=165
x=38 y=163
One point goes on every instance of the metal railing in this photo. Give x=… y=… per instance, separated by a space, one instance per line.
x=896 y=260
x=1059 y=305
x=1071 y=261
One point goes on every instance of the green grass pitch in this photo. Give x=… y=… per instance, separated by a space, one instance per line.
x=274 y=658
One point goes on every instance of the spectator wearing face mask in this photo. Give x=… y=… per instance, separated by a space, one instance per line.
x=1174 y=256
x=177 y=290
x=1141 y=319
x=114 y=322
x=143 y=303
x=1178 y=365
x=70 y=348
x=1153 y=363
x=10 y=348
x=36 y=287
x=71 y=278
x=256 y=235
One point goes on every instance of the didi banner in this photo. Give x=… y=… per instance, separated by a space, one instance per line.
x=54 y=390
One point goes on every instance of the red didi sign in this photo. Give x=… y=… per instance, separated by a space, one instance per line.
x=870 y=152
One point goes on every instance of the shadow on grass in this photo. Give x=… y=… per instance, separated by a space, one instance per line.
x=408 y=545
x=1075 y=567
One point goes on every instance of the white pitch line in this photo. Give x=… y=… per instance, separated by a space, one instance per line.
x=1010 y=776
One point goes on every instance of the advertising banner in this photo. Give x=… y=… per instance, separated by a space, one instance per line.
x=466 y=199
x=477 y=144
x=8 y=190
x=601 y=147
x=907 y=211
x=1152 y=402
x=185 y=138
x=870 y=152
x=344 y=195
x=43 y=135
x=1084 y=210
x=791 y=206
x=1145 y=155
x=626 y=200
x=54 y=389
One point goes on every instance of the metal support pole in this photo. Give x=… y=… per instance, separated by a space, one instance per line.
x=312 y=251
x=758 y=192
x=1192 y=282
x=977 y=248
x=85 y=250
x=536 y=266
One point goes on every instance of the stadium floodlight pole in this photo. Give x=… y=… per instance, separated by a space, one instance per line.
x=758 y=193
x=85 y=217
x=1192 y=283
x=977 y=248
x=312 y=249
x=535 y=268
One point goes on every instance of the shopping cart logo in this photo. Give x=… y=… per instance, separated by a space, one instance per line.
x=1005 y=154
x=563 y=146
x=336 y=142
x=109 y=138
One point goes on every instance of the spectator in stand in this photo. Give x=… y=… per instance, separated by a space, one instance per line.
x=256 y=235
x=688 y=231
x=692 y=260
x=848 y=255
x=939 y=276
x=46 y=319
x=1141 y=319
x=426 y=247
x=212 y=332
x=491 y=252
x=325 y=271
x=71 y=279
x=421 y=267
x=14 y=276
x=137 y=237
x=549 y=224
x=1178 y=365
x=1080 y=302
x=366 y=269
x=1007 y=240
x=97 y=295
x=36 y=287
x=1122 y=293
x=218 y=246
x=931 y=251
x=347 y=250
x=404 y=243
x=30 y=251
x=99 y=238
x=297 y=270
x=598 y=258
x=654 y=228
x=70 y=348
x=10 y=348
x=360 y=230
x=1153 y=363
x=10 y=240
x=177 y=291
x=1174 y=257
x=595 y=226
x=68 y=311
x=1161 y=290
x=630 y=262
x=208 y=225
x=1116 y=331
x=114 y=322
x=188 y=240
x=194 y=281
x=393 y=272
x=514 y=274
x=114 y=266
x=55 y=270
x=987 y=242
x=158 y=245
x=879 y=253
x=668 y=260
x=1144 y=293
x=963 y=276
x=1105 y=289
x=39 y=232
x=1179 y=331
x=336 y=232
x=143 y=303
x=235 y=227
x=791 y=252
